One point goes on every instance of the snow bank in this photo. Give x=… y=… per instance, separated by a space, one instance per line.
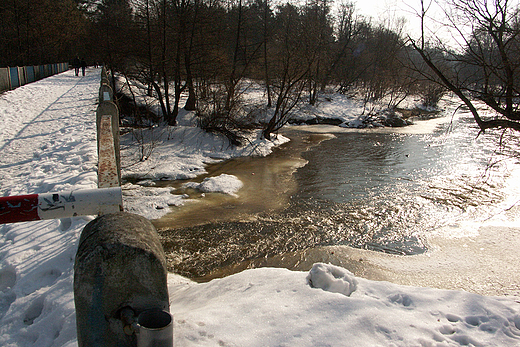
x=332 y=278
x=352 y=112
x=278 y=307
x=181 y=152
x=48 y=143
x=36 y=283
x=153 y=203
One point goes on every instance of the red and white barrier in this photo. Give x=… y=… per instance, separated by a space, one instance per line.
x=24 y=208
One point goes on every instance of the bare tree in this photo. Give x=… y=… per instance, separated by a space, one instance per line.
x=290 y=67
x=151 y=56
x=487 y=66
x=317 y=40
x=341 y=48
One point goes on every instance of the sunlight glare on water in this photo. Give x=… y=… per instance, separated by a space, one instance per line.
x=384 y=190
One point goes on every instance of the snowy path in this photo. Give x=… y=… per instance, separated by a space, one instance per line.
x=48 y=134
x=48 y=143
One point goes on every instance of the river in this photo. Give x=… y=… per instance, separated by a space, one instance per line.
x=364 y=199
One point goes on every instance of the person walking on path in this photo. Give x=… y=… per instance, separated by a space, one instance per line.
x=83 y=66
x=76 y=63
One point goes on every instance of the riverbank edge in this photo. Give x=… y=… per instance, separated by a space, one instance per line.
x=159 y=153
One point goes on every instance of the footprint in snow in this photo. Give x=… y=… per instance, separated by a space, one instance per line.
x=34 y=311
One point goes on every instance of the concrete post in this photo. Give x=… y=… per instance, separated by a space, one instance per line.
x=104 y=75
x=109 y=108
x=108 y=172
x=120 y=268
x=105 y=92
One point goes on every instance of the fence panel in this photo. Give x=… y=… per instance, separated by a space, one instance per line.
x=36 y=70
x=13 y=74
x=14 y=77
x=5 y=83
x=29 y=72
x=21 y=75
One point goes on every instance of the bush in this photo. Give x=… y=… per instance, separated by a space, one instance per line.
x=432 y=94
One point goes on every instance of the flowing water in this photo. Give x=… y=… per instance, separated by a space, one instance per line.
x=384 y=190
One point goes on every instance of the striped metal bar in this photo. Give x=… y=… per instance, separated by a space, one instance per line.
x=24 y=208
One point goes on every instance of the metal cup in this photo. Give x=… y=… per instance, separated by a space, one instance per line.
x=155 y=329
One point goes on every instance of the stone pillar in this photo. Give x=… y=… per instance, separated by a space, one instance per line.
x=120 y=267
x=105 y=93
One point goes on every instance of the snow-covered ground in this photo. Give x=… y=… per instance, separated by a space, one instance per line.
x=47 y=141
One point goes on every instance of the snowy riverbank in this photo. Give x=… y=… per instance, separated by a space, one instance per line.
x=180 y=152
x=47 y=138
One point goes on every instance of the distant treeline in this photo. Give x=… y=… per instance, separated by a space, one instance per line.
x=206 y=48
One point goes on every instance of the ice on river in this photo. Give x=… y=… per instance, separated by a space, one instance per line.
x=224 y=183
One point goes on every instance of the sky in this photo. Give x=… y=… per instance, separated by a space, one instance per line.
x=392 y=10
x=409 y=9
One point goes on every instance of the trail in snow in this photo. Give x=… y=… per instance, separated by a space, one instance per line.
x=48 y=135
x=48 y=143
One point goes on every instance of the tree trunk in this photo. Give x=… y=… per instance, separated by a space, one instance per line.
x=266 y=65
x=191 y=103
x=160 y=97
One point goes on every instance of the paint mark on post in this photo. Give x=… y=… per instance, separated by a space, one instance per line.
x=107 y=164
x=21 y=208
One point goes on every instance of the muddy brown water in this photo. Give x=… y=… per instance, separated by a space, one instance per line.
x=378 y=190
